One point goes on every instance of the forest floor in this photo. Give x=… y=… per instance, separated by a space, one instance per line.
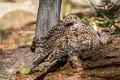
x=14 y=37
x=104 y=64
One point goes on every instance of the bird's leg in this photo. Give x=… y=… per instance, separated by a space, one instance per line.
x=74 y=59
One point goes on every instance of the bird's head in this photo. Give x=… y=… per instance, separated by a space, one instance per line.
x=70 y=20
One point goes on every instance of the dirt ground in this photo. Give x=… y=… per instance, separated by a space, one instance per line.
x=101 y=65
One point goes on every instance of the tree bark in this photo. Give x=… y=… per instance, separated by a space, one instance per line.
x=48 y=16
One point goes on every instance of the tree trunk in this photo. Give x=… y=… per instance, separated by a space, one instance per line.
x=48 y=16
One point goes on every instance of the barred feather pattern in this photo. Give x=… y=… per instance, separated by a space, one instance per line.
x=65 y=39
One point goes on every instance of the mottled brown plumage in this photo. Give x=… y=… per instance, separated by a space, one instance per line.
x=68 y=38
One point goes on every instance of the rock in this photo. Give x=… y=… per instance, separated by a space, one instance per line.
x=29 y=6
x=16 y=19
x=18 y=1
x=94 y=2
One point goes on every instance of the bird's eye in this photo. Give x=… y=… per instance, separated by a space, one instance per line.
x=68 y=24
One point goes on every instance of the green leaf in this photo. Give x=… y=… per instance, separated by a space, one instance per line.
x=102 y=22
x=84 y=19
x=24 y=71
x=91 y=23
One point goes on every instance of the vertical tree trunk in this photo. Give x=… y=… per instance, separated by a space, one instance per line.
x=48 y=16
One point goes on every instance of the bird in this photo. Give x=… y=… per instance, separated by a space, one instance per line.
x=68 y=38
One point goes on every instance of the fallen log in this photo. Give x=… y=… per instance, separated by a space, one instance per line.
x=102 y=63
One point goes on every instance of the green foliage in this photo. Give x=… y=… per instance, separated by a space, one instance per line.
x=108 y=13
x=24 y=71
x=102 y=22
x=84 y=19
